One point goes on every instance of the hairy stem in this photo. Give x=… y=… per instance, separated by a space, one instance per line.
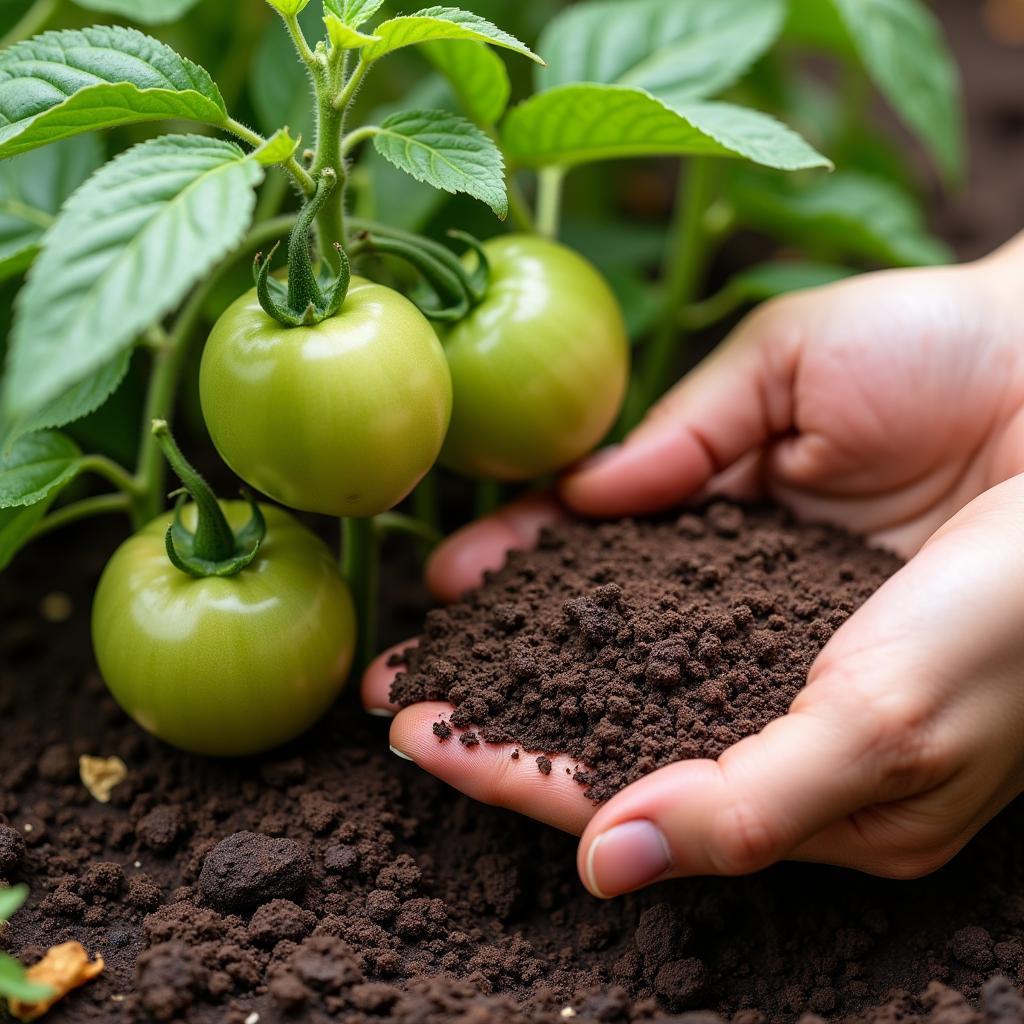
x=112 y=473
x=302 y=178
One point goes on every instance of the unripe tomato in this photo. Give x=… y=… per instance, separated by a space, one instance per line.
x=539 y=368
x=343 y=418
x=225 y=665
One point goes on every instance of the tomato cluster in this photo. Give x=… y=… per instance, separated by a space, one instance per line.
x=225 y=643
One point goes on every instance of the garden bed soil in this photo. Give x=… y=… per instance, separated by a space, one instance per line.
x=333 y=882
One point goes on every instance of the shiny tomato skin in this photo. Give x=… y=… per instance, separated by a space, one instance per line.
x=539 y=368
x=343 y=418
x=225 y=666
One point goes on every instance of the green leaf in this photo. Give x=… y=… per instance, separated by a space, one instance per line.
x=848 y=213
x=37 y=466
x=12 y=899
x=75 y=404
x=288 y=7
x=436 y=23
x=278 y=148
x=676 y=49
x=13 y=983
x=146 y=12
x=901 y=45
x=32 y=188
x=577 y=124
x=446 y=151
x=344 y=37
x=353 y=12
x=126 y=248
x=477 y=75
x=64 y=83
x=382 y=191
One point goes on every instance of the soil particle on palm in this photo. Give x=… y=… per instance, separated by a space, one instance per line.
x=633 y=644
x=332 y=882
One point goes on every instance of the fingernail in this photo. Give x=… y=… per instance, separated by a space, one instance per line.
x=597 y=459
x=380 y=712
x=626 y=857
x=399 y=753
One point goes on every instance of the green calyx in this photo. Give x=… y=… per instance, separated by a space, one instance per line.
x=456 y=289
x=214 y=549
x=307 y=299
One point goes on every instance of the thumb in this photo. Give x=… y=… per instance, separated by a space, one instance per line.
x=755 y=805
x=732 y=404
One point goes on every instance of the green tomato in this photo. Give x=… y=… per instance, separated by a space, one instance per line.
x=232 y=665
x=343 y=418
x=539 y=368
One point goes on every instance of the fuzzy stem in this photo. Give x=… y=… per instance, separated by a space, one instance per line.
x=359 y=565
x=306 y=55
x=112 y=473
x=303 y=179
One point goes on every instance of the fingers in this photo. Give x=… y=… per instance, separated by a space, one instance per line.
x=757 y=804
x=460 y=562
x=489 y=773
x=731 y=405
x=377 y=680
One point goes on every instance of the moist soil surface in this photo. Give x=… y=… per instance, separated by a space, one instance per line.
x=332 y=882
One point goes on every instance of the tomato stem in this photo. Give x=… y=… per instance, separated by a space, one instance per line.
x=394 y=522
x=486 y=498
x=360 y=552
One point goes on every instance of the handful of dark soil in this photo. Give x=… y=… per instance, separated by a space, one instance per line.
x=634 y=644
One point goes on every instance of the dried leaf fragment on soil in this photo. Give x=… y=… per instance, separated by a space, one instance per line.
x=62 y=970
x=100 y=775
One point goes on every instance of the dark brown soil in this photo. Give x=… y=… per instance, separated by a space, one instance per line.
x=332 y=882
x=631 y=645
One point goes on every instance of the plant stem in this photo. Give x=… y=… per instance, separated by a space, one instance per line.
x=330 y=128
x=33 y=22
x=112 y=473
x=299 y=174
x=549 y=201
x=306 y=55
x=394 y=522
x=87 y=507
x=685 y=259
x=348 y=93
x=359 y=565
x=31 y=214
x=359 y=135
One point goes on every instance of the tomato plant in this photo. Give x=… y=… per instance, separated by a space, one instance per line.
x=223 y=629
x=343 y=416
x=539 y=366
x=324 y=387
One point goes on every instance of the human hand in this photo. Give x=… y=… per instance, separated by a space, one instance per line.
x=909 y=734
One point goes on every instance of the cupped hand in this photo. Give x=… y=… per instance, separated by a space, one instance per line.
x=891 y=404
